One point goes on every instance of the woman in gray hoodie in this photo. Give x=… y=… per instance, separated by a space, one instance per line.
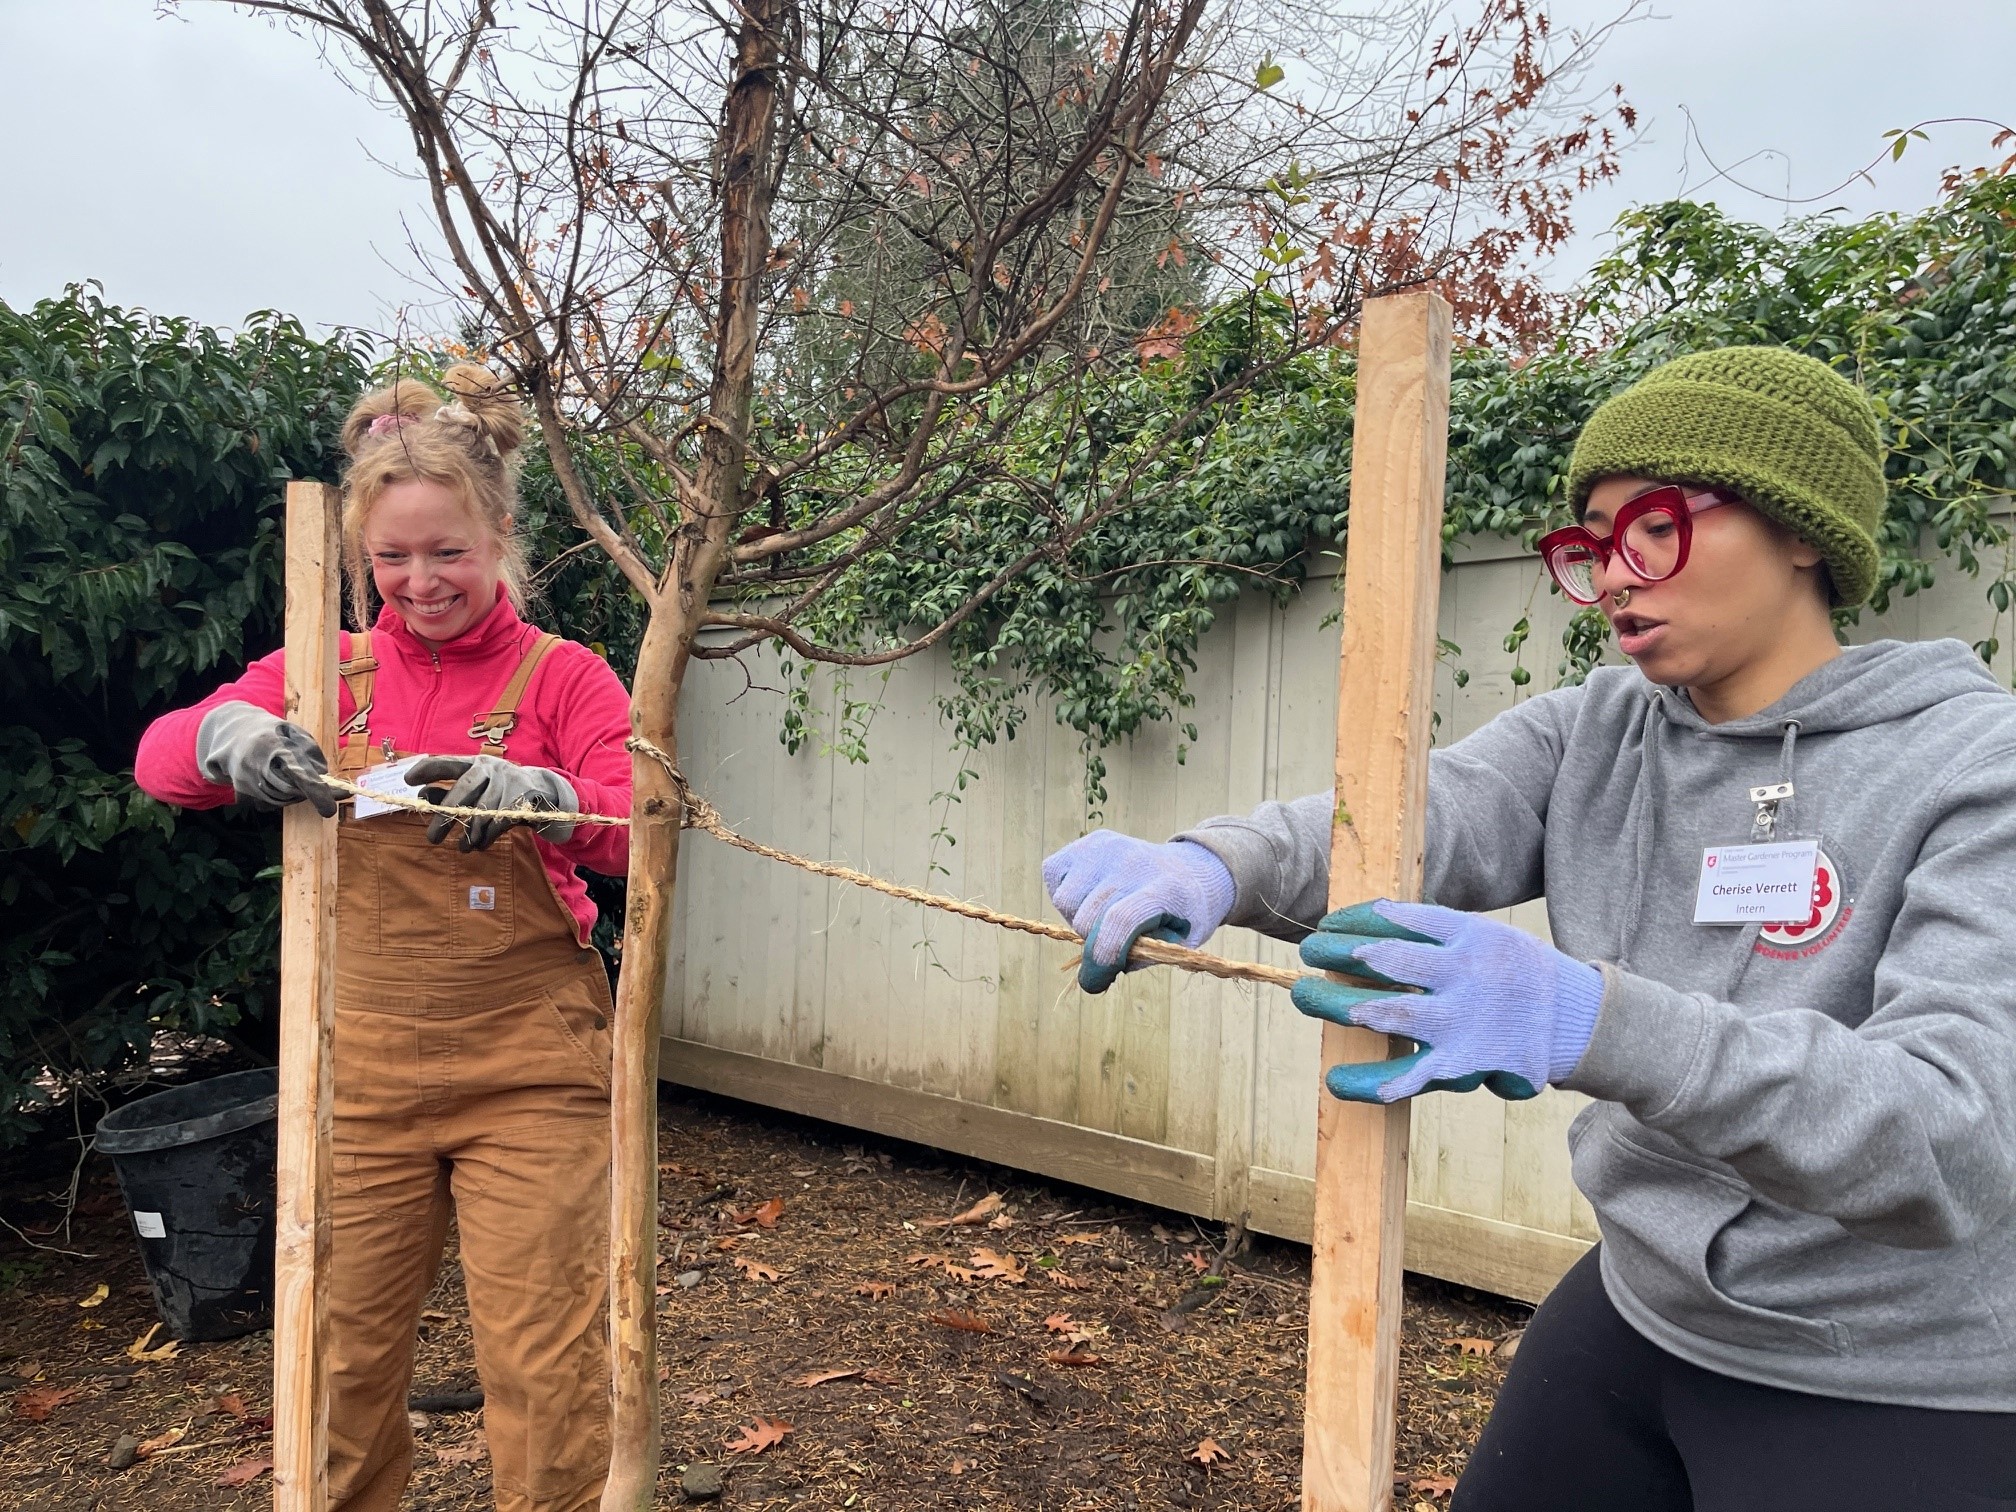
x=1777 y=875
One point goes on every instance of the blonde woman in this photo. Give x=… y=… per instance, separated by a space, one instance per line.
x=472 y=1030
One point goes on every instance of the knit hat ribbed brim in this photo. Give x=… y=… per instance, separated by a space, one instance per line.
x=1784 y=432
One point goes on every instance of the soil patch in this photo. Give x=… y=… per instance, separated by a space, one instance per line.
x=1059 y=1351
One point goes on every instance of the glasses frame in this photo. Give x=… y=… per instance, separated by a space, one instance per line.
x=1667 y=498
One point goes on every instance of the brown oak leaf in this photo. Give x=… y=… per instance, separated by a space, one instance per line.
x=1071 y=1357
x=1433 y=1486
x=1199 y=1261
x=1208 y=1452
x=232 y=1403
x=763 y=1215
x=961 y=1274
x=245 y=1471
x=36 y=1403
x=925 y=1260
x=764 y=1433
x=876 y=1290
x=979 y=1213
x=1069 y=1283
x=756 y=1270
x=998 y=1267
x=821 y=1377
x=1062 y=1323
x=162 y=1441
x=1064 y=1240
x=1479 y=1347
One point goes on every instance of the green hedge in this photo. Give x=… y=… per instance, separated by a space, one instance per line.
x=140 y=469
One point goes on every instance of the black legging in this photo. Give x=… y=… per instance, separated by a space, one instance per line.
x=1594 y=1417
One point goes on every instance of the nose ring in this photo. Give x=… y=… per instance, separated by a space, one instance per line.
x=1621 y=598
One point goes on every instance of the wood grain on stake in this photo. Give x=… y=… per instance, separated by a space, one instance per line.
x=307 y=1021
x=1392 y=572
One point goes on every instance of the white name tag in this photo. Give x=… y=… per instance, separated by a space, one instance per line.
x=1756 y=884
x=390 y=778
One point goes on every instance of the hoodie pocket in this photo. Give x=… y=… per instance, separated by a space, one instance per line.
x=1661 y=1220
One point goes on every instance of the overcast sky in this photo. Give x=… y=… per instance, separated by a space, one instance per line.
x=207 y=164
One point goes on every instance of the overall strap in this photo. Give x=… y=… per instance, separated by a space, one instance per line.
x=491 y=728
x=358 y=672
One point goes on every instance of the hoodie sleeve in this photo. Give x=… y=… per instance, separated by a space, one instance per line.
x=1487 y=819
x=589 y=720
x=1902 y=1129
x=165 y=765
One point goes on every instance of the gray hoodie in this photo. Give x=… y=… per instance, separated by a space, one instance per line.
x=1803 y=1150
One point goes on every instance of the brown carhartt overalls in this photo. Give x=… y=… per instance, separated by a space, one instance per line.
x=472 y=1069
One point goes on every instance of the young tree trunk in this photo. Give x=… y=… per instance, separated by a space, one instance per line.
x=699 y=552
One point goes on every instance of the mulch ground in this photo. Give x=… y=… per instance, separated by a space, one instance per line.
x=1059 y=1350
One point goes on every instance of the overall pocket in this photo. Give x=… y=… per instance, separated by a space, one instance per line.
x=430 y=900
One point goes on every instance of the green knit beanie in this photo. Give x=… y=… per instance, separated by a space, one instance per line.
x=1786 y=433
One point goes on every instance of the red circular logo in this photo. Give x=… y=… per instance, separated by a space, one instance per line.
x=1826 y=909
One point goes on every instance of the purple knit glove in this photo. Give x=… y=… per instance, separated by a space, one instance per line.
x=1498 y=1008
x=1114 y=889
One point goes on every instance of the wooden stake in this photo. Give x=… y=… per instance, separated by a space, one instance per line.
x=307 y=1023
x=1392 y=576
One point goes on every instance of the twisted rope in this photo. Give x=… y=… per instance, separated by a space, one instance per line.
x=696 y=813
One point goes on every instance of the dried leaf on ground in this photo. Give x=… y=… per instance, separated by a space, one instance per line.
x=162 y=1441
x=729 y=1241
x=232 y=1403
x=764 y=1214
x=754 y=1438
x=1478 y=1347
x=963 y=1321
x=994 y=1266
x=876 y=1290
x=1071 y=1357
x=36 y=1403
x=924 y=1260
x=245 y=1471
x=821 y=1377
x=1069 y=1283
x=979 y=1213
x=1062 y=1323
x=1209 y=1452
x=961 y=1274
x=756 y=1270
x=1064 y=1240
x=98 y=1294
x=1000 y=1221
x=139 y=1350
x=1436 y=1486
x=1199 y=1261
x=701 y=1398
x=462 y=1454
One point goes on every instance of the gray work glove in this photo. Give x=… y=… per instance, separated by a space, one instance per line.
x=268 y=761
x=491 y=782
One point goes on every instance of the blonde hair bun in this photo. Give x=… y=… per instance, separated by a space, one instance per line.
x=408 y=398
x=492 y=411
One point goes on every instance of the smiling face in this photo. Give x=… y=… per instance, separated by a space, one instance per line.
x=1751 y=593
x=432 y=559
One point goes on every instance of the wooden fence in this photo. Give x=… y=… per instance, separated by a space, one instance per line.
x=1199 y=1095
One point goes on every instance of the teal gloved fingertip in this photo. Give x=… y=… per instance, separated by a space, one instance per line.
x=1325 y=951
x=1094 y=977
x=1365 y=919
x=1334 y=1002
x=1366 y=1081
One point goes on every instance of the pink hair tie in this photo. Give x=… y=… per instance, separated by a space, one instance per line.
x=392 y=424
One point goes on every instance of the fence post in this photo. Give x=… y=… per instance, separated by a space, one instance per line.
x=307 y=1022
x=1392 y=575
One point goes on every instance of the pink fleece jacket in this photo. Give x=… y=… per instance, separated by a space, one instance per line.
x=573 y=719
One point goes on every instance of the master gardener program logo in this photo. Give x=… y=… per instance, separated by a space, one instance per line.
x=1789 y=942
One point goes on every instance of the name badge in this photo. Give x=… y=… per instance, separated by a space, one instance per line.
x=1756 y=884
x=390 y=779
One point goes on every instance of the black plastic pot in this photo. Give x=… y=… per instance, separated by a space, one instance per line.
x=196 y=1167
